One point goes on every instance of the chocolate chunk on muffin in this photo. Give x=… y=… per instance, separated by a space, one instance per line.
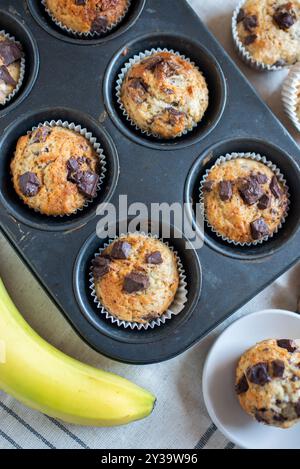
x=164 y=95
x=84 y=16
x=136 y=278
x=268 y=382
x=244 y=201
x=10 y=66
x=270 y=31
x=55 y=170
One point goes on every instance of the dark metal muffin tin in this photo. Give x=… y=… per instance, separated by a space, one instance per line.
x=76 y=82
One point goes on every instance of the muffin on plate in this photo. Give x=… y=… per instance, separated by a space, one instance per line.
x=270 y=31
x=136 y=278
x=164 y=95
x=244 y=201
x=10 y=66
x=84 y=16
x=55 y=170
x=268 y=382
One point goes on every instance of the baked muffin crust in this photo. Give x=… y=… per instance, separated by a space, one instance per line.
x=164 y=94
x=136 y=278
x=270 y=30
x=10 y=66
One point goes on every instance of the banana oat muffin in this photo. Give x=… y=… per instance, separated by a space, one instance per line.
x=243 y=200
x=136 y=278
x=55 y=170
x=83 y=16
x=268 y=382
x=10 y=66
x=270 y=31
x=164 y=94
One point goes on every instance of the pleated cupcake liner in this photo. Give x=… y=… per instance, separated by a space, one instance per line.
x=88 y=34
x=291 y=95
x=174 y=309
x=128 y=65
x=97 y=148
x=22 y=69
x=260 y=159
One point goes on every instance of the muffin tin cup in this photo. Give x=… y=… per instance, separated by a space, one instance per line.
x=260 y=159
x=22 y=70
x=97 y=147
x=134 y=60
x=291 y=95
x=242 y=51
x=88 y=34
x=174 y=309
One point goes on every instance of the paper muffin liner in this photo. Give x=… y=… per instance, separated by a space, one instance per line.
x=274 y=169
x=174 y=309
x=243 y=52
x=134 y=60
x=96 y=146
x=22 y=70
x=291 y=95
x=88 y=34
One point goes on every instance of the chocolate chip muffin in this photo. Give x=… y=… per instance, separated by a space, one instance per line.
x=10 y=66
x=136 y=278
x=55 y=170
x=268 y=382
x=243 y=199
x=270 y=31
x=84 y=16
x=164 y=95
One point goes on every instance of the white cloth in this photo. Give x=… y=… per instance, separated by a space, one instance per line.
x=180 y=419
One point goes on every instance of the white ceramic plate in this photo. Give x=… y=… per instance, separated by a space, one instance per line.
x=219 y=374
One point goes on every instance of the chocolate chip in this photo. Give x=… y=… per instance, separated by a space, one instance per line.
x=250 y=23
x=279 y=418
x=297 y=408
x=241 y=15
x=278 y=402
x=279 y=63
x=295 y=379
x=87 y=183
x=80 y=2
x=138 y=84
x=259 y=229
x=6 y=76
x=158 y=64
x=260 y=178
x=285 y=16
x=288 y=344
x=242 y=386
x=40 y=135
x=275 y=187
x=10 y=52
x=264 y=202
x=260 y=418
x=225 y=190
x=174 y=115
x=154 y=258
x=153 y=62
x=29 y=184
x=135 y=282
x=250 y=39
x=278 y=368
x=208 y=186
x=120 y=250
x=251 y=191
x=258 y=374
x=100 y=266
x=73 y=168
x=99 y=24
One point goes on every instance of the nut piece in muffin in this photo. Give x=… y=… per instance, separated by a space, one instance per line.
x=83 y=16
x=55 y=170
x=270 y=31
x=136 y=278
x=164 y=95
x=268 y=382
x=244 y=200
x=10 y=66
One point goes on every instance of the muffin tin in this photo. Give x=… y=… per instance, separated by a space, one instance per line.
x=76 y=82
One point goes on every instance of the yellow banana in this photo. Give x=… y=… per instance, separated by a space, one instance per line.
x=45 y=379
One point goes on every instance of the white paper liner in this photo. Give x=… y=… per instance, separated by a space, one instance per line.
x=134 y=60
x=96 y=146
x=290 y=93
x=88 y=34
x=243 y=52
x=174 y=309
x=22 y=70
x=261 y=159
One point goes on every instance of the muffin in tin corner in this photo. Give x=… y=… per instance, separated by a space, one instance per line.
x=11 y=54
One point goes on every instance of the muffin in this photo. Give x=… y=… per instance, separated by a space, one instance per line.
x=268 y=382
x=269 y=30
x=87 y=16
x=55 y=170
x=244 y=201
x=10 y=66
x=164 y=95
x=136 y=278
